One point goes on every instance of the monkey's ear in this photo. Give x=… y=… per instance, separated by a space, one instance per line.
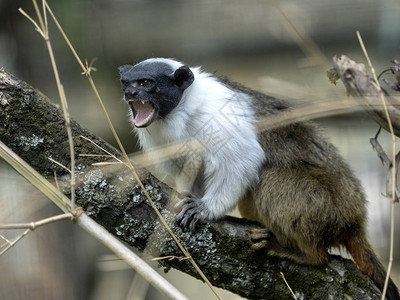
x=183 y=77
x=124 y=68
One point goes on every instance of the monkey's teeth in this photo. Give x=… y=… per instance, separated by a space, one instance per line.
x=143 y=112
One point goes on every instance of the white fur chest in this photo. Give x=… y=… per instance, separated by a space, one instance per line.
x=218 y=118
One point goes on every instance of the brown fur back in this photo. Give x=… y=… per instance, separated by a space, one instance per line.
x=307 y=196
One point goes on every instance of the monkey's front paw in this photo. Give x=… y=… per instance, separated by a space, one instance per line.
x=192 y=211
x=262 y=234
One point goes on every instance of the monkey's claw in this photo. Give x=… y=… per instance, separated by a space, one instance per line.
x=192 y=210
x=262 y=234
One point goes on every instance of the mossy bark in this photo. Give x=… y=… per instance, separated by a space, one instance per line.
x=34 y=128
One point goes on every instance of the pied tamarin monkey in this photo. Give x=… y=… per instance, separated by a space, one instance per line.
x=289 y=178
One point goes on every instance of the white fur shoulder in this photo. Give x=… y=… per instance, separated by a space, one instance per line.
x=208 y=109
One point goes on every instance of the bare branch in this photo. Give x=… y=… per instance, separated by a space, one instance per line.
x=33 y=225
x=391 y=183
x=12 y=243
x=365 y=90
x=30 y=227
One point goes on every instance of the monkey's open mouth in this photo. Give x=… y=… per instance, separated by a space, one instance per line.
x=143 y=112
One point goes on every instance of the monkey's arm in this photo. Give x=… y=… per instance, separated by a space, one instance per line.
x=190 y=171
x=229 y=171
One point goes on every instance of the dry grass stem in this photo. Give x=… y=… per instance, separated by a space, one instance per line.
x=4 y=239
x=41 y=183
x=45 y=34
x=169 y=257
x=56 y=179
x=37 y=28
x=307 y=112
x=60 y=165
x=30 y=227
x=13 y=243
x=86 y=71
x=95 y=155
x=300 y=36
x=34 y=225
x=287 y=284
x=393 y=196
x=101 y=148
x=105 y=163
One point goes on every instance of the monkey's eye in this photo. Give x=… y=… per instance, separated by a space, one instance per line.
x=144 y=82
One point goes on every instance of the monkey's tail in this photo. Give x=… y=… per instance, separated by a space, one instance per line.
x=366 y=259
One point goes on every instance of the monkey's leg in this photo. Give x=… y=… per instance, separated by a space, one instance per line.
x=305 y=255
x=187 y=176
x=184 y=183
x=246 y=207
x=311 y=256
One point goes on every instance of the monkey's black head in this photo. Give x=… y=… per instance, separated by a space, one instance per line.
x=153 y=88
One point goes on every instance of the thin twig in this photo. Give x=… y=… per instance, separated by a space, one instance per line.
x=35 y=178
x=56 y=179
x=299 y=35
x=393 y=188
x=5 y=239
x=12 y=244
x=67 y=118
x=287 y=284
x=105 y=163
x=101 y=148
x=65 y=37
x=60 y=88
x=169 y=257
x=42 y=24
x=60 y=164
x=381 y=153
x=94 y=155
x=33 y=225
x=33 y=22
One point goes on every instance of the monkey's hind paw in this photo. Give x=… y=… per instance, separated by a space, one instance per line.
x=262 y=234
x=259 y=245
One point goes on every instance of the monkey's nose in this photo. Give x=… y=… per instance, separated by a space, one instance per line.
x=131 y=93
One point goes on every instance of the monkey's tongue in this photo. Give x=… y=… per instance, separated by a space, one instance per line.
x=143 y=112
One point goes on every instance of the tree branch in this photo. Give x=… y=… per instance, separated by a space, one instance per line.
x=33 y=225
x=34 y=128
x=364 y=89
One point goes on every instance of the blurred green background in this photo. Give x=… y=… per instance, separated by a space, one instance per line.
x=279 y=47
